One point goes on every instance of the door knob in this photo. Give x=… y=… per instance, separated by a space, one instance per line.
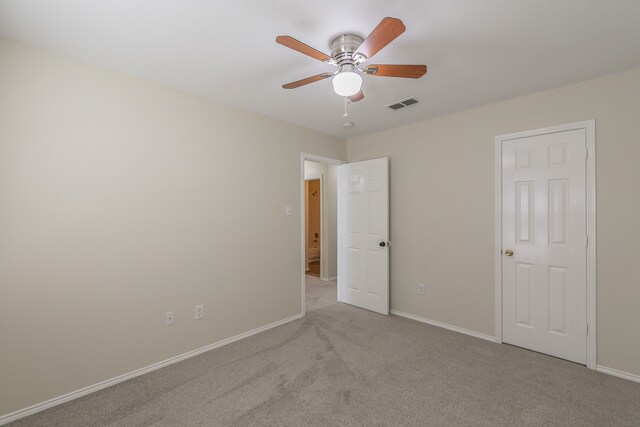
x=382 y=244
x=508 y=252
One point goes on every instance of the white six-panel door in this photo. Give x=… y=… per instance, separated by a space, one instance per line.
x=363 y=225
x=544 y=227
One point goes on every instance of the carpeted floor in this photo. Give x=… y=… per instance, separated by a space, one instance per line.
x=344 y=366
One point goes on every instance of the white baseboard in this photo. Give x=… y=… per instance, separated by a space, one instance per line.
x=444 y=325
x=616 y=373
x=330 y=279
x=21 y=413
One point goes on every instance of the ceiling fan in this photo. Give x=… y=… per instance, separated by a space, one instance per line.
x=348 y=51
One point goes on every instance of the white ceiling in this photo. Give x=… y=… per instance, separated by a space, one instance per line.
x=477 y=51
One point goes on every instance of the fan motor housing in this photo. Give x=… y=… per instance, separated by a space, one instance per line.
x=343 y=47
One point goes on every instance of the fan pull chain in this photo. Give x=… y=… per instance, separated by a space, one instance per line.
x=345 y=108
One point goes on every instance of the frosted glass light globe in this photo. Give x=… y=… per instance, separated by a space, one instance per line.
x=347 y=83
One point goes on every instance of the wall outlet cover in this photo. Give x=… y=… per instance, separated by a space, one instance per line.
x=198 y=312
x=169 y=318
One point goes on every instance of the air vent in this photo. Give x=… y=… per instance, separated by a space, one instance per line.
x=403 y=103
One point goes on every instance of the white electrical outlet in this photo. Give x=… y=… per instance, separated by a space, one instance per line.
x=198 y=312
x=169 y=318
x=420 y=288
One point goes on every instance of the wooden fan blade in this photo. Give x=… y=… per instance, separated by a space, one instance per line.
x=308 y=80
x=406 y=71
x=294 y=44
x=386 y=32
x=357 y=97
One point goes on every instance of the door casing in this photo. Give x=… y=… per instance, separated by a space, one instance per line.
x=589 y=127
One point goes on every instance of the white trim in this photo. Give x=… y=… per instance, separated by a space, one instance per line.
x=498 y=240
x=444 y=325
x=589 y=126
x=319 y=159
x=21 y=413
x=617 y=373
x=340 y=225
x=330 y=279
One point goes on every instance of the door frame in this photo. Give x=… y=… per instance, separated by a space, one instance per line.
x=590 y=130
x=319 y=159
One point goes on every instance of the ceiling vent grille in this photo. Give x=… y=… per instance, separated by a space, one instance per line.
x=401 y=104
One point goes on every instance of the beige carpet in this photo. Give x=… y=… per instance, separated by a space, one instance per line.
x=345 y=366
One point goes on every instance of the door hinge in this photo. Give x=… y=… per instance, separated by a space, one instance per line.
x=586 y=153
x=586 y=241
x=587 y=329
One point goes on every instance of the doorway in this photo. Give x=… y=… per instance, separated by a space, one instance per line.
x=545 y=241
x=313 y=225
x=319 y=211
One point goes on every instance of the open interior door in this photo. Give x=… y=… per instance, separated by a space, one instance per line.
x=363 y=234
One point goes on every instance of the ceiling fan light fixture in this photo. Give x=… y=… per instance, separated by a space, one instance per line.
x=347 y=83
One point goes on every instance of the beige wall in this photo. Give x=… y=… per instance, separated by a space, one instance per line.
x=121 y=200
x=442 y=207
